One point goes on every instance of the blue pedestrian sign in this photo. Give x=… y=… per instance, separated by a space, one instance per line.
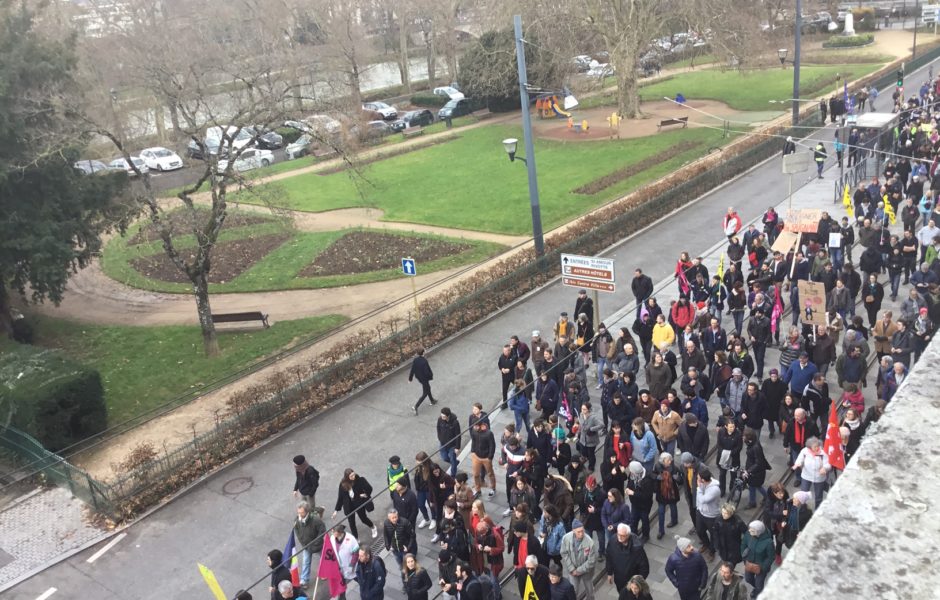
x=408 y=267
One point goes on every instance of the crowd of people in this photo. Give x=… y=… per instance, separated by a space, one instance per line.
x=611 y=431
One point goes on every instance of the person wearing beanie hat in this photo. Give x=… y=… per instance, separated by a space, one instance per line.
x=686 y=569
x=306 y=480
x=798 y=516
x=578 y=557
x=396 y=473
x=758 y=550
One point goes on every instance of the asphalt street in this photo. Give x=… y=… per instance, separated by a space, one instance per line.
x=231 y=520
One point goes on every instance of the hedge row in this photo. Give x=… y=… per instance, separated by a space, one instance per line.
x=849 y=41
x=429 y=100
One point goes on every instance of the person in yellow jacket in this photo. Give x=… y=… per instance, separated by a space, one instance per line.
x=663 y=334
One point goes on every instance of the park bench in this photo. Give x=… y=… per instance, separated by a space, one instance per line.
x=684 y=121
x=481 y=114
x=242 y=317
x=412 y=132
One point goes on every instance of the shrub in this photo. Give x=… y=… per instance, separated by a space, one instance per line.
x=428 y=100
x=54 y=399
x=849 y=41
x=289 y=134
x=864 y=19
x=23 y=331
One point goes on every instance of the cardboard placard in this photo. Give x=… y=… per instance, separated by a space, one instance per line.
x=804 y=220
x=785 y=242
x=812 y=302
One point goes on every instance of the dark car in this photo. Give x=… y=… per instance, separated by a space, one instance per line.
x=198 y=152
x=268 y=140
x=90 y=167
x=455 y=108
x=413 y=118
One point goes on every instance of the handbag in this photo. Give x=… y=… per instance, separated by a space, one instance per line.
x=751 y=567
x=724 y=461
x=869 y=298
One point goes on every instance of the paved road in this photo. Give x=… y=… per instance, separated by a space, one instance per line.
x=231 y=520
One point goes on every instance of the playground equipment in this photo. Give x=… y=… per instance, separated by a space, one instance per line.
x=548 y=107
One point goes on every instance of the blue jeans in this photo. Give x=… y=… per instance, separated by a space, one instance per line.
x=817 y=489
x=423 y=503
x=449 y=455
x=798 y=471
x=305 y=565
x=757 y=582
x=715 y=312
x=895 y=284
x=601 y=365
x=819 y=167
x=835 y=254
x=738 y=317
x=669 y=447
x=673 y=515
x=522 y=418
x=753 y=490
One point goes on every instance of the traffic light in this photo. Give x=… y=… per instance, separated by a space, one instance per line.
x=900 y=78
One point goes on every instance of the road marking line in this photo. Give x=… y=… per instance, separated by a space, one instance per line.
x=47 y=593
x=107 y=547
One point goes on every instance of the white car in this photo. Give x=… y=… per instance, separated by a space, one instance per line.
x=121 y=164
x=449 y=92
x=237 y=138
x=300 y=147
x=388 y=112
x=161 y=159
x=252 y=158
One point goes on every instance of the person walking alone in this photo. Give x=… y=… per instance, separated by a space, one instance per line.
x=421 y=369
x=820 y=155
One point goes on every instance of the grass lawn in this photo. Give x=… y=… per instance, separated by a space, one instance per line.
x=279 y=269
x=468 y=183
x=751 y=90
x=144 y=367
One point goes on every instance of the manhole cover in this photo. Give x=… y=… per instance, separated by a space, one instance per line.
x=234 y=487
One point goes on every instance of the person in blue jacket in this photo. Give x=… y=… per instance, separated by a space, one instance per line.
x=370 y=574
x=687 y=570
x=799 y=374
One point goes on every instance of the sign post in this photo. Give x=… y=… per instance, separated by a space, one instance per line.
x=589 y=272
x=797 y=162
x=409 y=267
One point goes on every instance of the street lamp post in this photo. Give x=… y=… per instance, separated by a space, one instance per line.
x=529 y=159
x=796 y=61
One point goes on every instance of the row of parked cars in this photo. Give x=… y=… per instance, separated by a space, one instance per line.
x=149 y=159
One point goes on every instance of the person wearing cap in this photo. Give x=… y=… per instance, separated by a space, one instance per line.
x=625 y=558
x=561 y=588
x=799 y=374
x=584 y=306
x=306 y=480
x=921 y=332
x=687 y=570
x=758 y=551
x=735 y=390
x=578 y=557
x=725 y=584
x=396 y=472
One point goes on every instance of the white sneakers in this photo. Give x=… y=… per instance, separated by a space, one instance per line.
x=507 y=512
x=432 y=524
x=421 y=522
x=375 y=533
x=491 y=493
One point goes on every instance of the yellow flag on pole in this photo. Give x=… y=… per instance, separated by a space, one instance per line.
x=721 y=267
x=847 y=203
x=889 y=210
x=529 y=593
x=212 y=582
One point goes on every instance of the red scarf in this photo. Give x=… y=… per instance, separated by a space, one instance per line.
x=799 y=433
x=623 y=454
x=523 y=552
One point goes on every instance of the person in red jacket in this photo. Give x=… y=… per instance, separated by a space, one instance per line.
x=731 y=224
x=681 y=314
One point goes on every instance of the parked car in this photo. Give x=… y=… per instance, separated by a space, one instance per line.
x=582 y=63
x=89 y=166
x=161 y=159
x=237 y=137
x=376 y=129
x=301 y=147
x=600 y=70
x=198 y=152
x=121 y=164
x=266 y=139
x=251 y=158
x=324 y=124
x=413 y=118
x=301 y=126
x=388 y=112
x=448 y=92
x=454 y=109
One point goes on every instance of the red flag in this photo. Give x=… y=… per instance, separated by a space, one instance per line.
x=683 y=281
x=329 y=567
x=833 y=444
x=777 y=311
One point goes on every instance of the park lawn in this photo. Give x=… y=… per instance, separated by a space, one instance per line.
x=468 y=183
x=753 y=90
x=144 y=367
x=279 y=269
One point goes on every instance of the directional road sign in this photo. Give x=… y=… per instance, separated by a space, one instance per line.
x=590 y=272
x=409 y=267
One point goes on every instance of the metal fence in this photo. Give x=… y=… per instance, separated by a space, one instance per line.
x=23 y=448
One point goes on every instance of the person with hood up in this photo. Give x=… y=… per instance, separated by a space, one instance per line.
x=687 y=569
x=279 y=571
x=640 y=489
x=757 y=547
x=693 y=437
x=755 y=467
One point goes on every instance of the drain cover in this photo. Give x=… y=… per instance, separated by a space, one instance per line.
x=239 y=485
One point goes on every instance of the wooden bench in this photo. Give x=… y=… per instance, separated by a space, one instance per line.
x=684 y=121
x=482 y=114
x=242 y=317
x=412 y=132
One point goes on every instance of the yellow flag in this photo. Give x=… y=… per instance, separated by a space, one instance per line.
x=889 y=210
x=721 y=267
x=847 y=203
x=212 y=582
x=529 y=589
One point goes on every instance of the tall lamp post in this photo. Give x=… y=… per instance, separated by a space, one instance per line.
x=510 y=144
x=796 y=62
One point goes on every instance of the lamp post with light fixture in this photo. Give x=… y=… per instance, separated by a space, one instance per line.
x=782 y=55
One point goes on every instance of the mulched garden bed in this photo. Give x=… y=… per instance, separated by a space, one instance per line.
x=367 y=251
x=181 y=222
x=602 y=183
x=229 y=259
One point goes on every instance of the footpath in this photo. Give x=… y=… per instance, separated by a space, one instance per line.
x=230 y=521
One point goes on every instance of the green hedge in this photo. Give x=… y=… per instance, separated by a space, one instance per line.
x=289 y=134
x=849 y=41
x=54 y=399
x=429 y=100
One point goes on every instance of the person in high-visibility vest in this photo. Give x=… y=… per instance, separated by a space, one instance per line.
x=820 y=155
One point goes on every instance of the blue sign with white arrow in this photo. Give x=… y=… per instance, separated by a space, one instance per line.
x=408 y=267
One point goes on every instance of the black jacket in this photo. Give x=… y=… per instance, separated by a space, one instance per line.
x=420 y=370
x=406 y=504
x=626 y=560
x=642 y=288
x=307 y=482
x=809 y=429
x=755 y=463
x=400 y=536
x=279 y=574
x=730 y=532
x=448 y=433
x=416 y=584
x=694 y=440
x=482 y=443
x=563 y=590
x=362 y=491
x=540 y=581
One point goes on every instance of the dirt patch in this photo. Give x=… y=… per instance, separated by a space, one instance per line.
x=434 y=141
x=181 y=220
x=229 y=259
x=367 y=251
x=602 y=183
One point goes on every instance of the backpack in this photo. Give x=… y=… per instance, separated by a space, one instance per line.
x=489 y=587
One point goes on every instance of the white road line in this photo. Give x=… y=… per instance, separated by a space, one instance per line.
x=47 y=593
x=107 y=547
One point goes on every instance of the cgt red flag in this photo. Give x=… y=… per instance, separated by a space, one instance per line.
x=833 y=444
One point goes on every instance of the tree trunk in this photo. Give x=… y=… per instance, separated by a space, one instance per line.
x=158 y=122
x=403 y=55
x=6 y=312
x=432 y=61
x=355 y=93
x=210 y=341
x=174 y=117
x=627 y=100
